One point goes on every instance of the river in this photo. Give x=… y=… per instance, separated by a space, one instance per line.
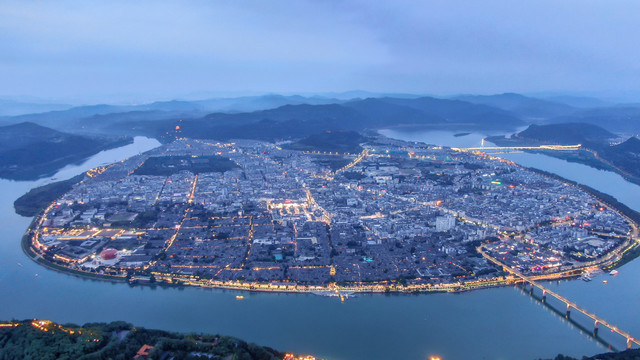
x=500 y=323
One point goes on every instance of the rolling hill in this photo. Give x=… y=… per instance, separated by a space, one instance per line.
x=567 y=133
x=29 y=151
x=622 y=118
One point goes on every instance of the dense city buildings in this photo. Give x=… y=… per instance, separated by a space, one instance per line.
x=257 y=215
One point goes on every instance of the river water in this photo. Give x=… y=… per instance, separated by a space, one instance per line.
x=501 y=323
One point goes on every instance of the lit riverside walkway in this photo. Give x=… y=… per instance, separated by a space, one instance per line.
x=597 y=320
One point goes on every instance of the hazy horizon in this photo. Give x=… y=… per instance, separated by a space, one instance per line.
x=612 y=98
x=121 y=51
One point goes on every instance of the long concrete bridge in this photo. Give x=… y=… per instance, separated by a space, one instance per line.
x=597 y=321
x=541 y=147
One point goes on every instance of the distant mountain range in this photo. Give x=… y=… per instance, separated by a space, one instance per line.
x=300 y=117
x=280 y=117
x=523 y=106
x=619 y=118
x=14 y=108
x=64 y=115
x=584 y=102
x=292 y=121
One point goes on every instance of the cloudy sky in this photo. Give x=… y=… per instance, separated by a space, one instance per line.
x=91 y=49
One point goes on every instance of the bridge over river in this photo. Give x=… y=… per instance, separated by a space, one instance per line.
x=521 y=148
x=597 y=321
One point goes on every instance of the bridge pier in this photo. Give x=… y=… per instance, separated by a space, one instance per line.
x=544 y=295
x=568 y=311
x=629 y=343
x=595 y=328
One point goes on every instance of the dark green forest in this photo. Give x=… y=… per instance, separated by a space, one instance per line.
x=168 y=165
x=46 y=340
x=37 y=199
x=633 y=354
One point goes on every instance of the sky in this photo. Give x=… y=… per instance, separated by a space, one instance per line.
x=88 y=50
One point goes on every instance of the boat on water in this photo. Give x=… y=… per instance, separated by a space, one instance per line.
x=239 y=297
x=585 y=277
x=604 y=281
x=613 y=272
x=331 y=293
x=595 y=272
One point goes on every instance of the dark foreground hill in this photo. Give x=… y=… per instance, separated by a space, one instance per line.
x=46 y=340
x=633 y=354
x=29 y=151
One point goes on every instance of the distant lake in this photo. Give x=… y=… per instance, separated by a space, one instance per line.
x=501 y=323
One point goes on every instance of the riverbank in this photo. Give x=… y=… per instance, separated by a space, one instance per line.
x=37 y=199
x=349 y=330
x=629 y=252
x=631 y=215
x=614 y=258
x=595 y=156
x=142 y=272
x=26 y=243
x=590 y=157
x=172 y=280
x=631 y=247
x=35 y=161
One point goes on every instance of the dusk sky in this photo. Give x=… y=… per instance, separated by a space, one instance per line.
x=85 y=50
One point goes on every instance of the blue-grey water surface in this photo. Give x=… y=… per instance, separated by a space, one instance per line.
x=501 y=323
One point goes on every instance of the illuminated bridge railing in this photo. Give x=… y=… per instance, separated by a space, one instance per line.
x=541 y=147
